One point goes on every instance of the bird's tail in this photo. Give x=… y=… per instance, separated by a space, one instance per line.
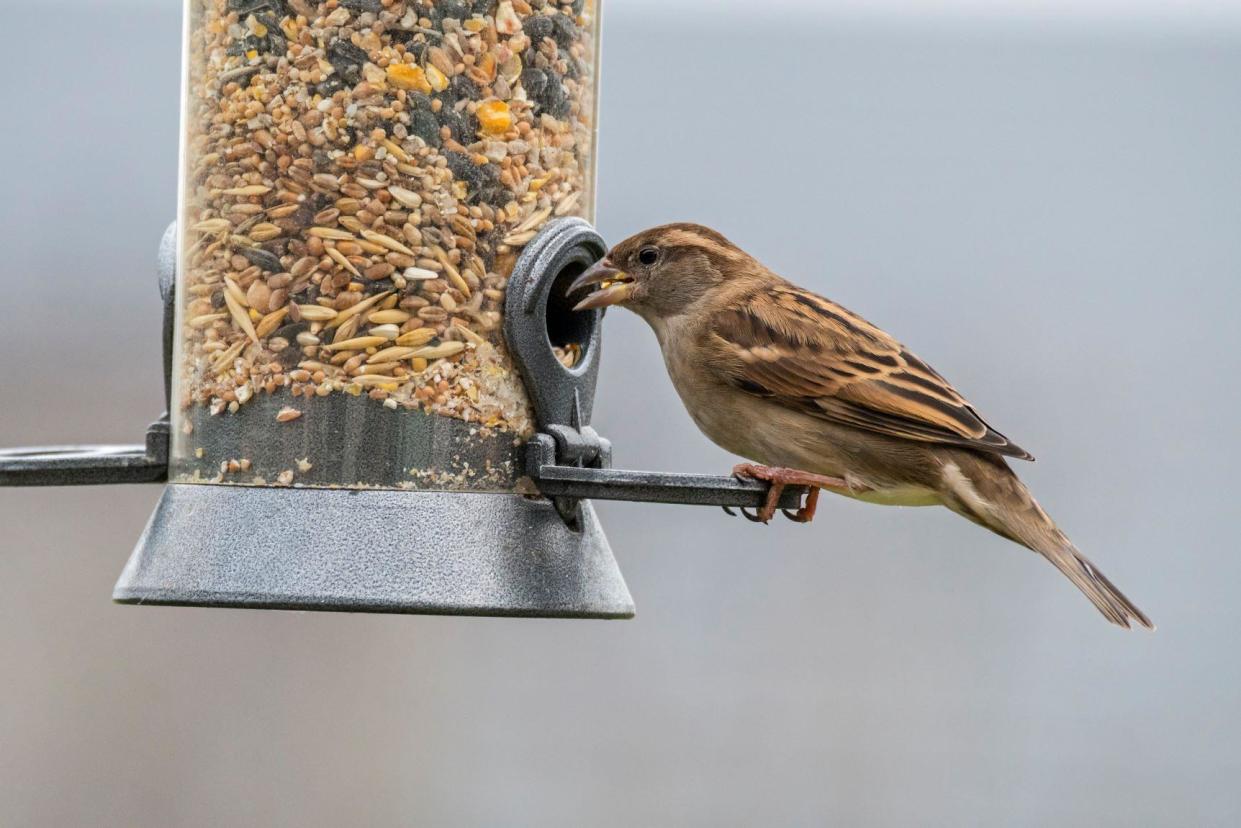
x=1003 y=504
x=1094 y=584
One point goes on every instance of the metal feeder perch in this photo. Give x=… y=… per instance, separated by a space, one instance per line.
x=344 y=249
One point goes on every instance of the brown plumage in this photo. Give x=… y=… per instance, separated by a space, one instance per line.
x=794 y=381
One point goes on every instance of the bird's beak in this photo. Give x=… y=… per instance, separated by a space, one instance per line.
x=615 y=286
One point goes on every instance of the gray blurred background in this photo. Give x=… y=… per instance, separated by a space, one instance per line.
x=1044 y=206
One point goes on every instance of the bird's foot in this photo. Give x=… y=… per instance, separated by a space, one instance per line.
x=779 y=478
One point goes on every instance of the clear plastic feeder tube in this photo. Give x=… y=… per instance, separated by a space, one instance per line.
x=358 y=178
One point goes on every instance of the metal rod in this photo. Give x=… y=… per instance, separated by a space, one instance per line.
x=80 y=465
x=659 y=487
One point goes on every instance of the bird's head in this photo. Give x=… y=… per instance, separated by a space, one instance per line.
x=661 y=272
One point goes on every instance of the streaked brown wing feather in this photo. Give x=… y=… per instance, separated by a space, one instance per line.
x=807 y=353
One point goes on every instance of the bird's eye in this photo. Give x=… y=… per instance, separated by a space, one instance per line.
x=648 y=255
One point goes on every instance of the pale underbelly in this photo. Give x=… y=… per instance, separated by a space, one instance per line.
x=895 y=496
x=777 y=437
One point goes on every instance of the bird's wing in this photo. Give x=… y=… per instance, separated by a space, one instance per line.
x=804 y=352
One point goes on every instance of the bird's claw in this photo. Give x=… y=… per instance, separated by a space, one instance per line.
x=749 y=514
x=752 y=516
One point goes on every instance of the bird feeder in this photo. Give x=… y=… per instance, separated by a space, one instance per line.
x=379 y=398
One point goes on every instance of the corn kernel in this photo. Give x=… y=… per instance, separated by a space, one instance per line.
x=494 y=117
x=405 y=76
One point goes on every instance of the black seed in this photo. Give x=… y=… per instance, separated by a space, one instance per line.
x=417 y=49
x=331 y=86
x=494 y=195
x=346 y=59
x=362 y=5
x=578 y=5
x=483 y=7
x=534 y=81
x=289 y=357
x=477 y=177
x=249 y=43
x=345 y=52
x=462 y=127
x=552 y=98
x=322 y=201
x=276 y=42
x=538 y=27
x=565 y=30
x=463 y=87
x=423 y=124
x=245 y=7
x=257 y=256
x=291 y=330
x=574 y=67
x=462 y=167
x=303 y=216
x=456 y=9
x=417 y=100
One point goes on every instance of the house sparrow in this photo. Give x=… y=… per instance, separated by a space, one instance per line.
x=821 y=397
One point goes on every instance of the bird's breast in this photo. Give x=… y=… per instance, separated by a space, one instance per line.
x=766 y=432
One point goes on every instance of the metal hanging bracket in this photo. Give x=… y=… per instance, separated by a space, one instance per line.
x=98 y=464
x=566 y=459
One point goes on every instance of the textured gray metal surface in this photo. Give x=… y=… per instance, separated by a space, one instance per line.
x=372 y=551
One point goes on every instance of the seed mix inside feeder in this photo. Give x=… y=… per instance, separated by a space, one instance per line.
x=379 y=398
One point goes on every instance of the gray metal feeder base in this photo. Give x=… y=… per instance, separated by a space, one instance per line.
x=444 y=553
